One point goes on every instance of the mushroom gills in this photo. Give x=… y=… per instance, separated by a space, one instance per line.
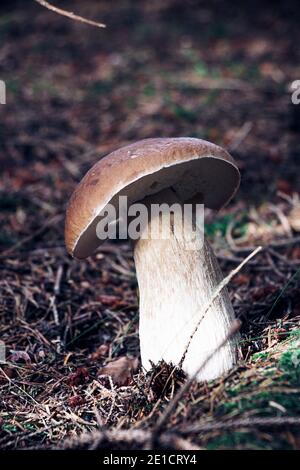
x=176 y=282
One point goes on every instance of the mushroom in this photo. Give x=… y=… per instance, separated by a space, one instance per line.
x=175 y=283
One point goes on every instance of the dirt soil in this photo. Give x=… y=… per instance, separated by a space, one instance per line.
x=74 y=93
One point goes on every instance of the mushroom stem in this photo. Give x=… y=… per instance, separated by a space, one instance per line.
x=175 y=285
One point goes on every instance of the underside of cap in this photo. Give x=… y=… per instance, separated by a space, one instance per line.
x=195 y=169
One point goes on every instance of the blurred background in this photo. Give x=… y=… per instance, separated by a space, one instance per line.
x=215 y=71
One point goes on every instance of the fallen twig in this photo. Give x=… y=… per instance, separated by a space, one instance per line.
x=277 y=244
x=69 y=14
x=99 y=439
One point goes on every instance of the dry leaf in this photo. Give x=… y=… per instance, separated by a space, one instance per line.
x=121 y=370
x=241 y=279
x=109 y=300
x=75 y=401
x=296 y=253
x=20 y=356
x=284 y=186
x=80 y=376
x=100 y=352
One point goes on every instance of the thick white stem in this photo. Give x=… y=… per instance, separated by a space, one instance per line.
x=175 y=285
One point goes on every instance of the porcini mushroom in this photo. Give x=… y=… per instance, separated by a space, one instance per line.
x=175 y=283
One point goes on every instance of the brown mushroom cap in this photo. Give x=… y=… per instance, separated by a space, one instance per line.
x=194 y=168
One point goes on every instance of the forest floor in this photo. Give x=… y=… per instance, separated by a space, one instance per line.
x=74 y=93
